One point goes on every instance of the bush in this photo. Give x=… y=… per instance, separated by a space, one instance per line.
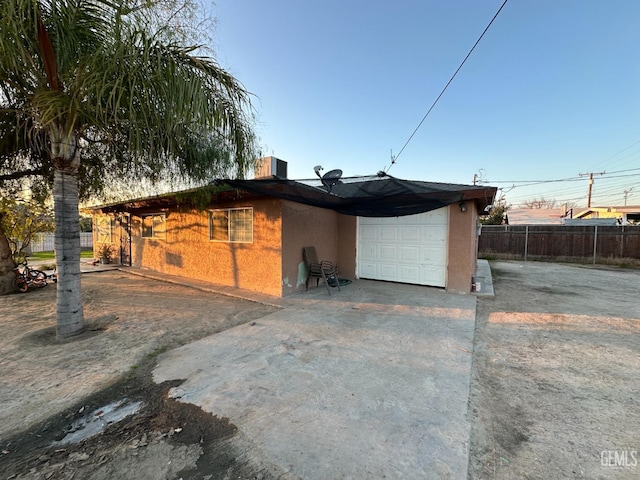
x=105 y=250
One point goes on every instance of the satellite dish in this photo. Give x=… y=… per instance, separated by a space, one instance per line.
x=331 y=178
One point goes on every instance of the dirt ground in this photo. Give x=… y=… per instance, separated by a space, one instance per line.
x=555 y=384
x=555 y=380
x=46 y=384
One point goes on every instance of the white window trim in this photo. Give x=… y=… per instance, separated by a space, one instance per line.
x=228 y=210
x=104 y=223
x=153 y=232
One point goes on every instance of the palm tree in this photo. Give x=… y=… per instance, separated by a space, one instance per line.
x=94 y=86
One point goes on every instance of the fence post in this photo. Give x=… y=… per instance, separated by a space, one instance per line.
x=526 y=242
x=595 y=242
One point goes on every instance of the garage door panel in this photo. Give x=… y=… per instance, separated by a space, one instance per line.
x=410 y=249
x=388 y=272
x=368 y=232
x=388 y=233
x=434 y=234
x=368 y=270
x=410 y=274
x=369 y=253
x=432 y=256
x=409 y=254
x=410 y=234
x=388 y=253
x=432 y=276
x=436 y=217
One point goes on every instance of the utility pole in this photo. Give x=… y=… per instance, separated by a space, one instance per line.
x=591 y=174
x=626 y=194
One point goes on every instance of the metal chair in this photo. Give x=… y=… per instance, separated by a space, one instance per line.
x=315 y=269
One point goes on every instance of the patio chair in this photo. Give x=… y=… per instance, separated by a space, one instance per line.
x=315 y=269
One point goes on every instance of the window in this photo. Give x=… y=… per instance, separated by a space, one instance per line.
x=104 y=228
x=154 y=226
x=231 y=225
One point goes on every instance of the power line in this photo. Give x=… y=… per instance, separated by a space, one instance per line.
x=599 y=195
x=606 y=184
x=394 y=158
x=610 y=186
x=526 y=183
x=621 y=151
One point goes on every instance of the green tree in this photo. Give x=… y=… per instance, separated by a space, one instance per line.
x=22 y=222
x=86 y=223
x=496 y=213
x=97 y=90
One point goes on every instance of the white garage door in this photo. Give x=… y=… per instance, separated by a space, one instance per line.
x=410 y=249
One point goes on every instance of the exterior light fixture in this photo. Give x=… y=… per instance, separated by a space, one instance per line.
x=463 y=207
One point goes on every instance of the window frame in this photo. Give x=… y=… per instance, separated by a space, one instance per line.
x=161 y=234
x=243 y=231
x=105 y=227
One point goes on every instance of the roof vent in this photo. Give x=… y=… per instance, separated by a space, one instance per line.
x=268 y=167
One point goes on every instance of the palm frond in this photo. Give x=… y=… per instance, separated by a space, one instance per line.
x=152 y=107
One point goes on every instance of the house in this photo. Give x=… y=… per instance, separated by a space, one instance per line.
x=535 y=216
x=613 y=215
x=250 y=233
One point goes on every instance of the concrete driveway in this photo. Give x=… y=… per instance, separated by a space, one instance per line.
x=370 y=382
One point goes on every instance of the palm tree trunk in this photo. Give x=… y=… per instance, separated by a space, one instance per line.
x=70 y=317
x=7 y=264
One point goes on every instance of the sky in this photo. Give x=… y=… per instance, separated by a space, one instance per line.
x=551 y=91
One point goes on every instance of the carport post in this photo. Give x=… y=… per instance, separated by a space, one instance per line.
x=595 y=242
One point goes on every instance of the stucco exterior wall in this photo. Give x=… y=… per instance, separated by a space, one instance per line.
x=273 y=262
x=187 y=250
x=347 y=245
x=305 y=226
x=463 y=248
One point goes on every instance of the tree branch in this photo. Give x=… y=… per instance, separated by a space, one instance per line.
x=20 y=174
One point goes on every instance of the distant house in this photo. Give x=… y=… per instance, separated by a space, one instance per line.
x=535 y=216
x=624 y=215
x=250 y=233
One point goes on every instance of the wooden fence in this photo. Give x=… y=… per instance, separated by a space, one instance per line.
x=548 y=242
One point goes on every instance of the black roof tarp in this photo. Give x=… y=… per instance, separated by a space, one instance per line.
x=372 y=196
x=378 y=196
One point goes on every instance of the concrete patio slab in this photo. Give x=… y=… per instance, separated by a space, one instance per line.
x=369 y=382
x=484 y=279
